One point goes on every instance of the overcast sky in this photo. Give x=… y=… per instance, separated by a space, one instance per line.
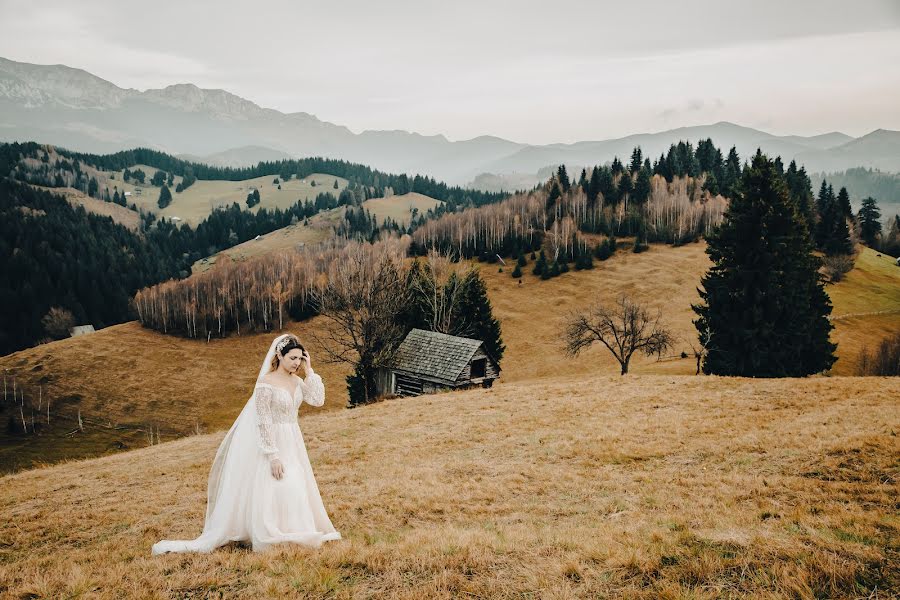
x=530 y=71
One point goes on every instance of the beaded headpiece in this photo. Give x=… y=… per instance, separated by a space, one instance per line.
x=280 y=345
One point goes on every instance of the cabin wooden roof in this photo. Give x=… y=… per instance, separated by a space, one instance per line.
x=433 y=354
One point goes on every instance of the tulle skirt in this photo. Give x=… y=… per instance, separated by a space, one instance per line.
x=263 y=510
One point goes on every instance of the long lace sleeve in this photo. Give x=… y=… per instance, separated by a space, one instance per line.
x=313 y=389
x=266 y=440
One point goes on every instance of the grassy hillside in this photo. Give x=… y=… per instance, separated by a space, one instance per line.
x=866 y=307
x=129 y=377
x=119 y=214
x=320 y=227
x=400 y=208
x=126 y=379
x=649 y=486
x=286 y=238
x=195 y=203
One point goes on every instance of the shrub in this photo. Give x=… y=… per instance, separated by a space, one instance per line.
x=837 y=266
x=884 y=361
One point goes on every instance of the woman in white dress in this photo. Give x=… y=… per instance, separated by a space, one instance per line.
x=261 y=484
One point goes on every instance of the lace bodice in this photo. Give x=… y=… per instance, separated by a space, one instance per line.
x=276 y=406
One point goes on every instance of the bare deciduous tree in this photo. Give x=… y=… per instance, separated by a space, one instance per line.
x=57 y=322
x=360 y=303
x=624 y=329
x=440 y=289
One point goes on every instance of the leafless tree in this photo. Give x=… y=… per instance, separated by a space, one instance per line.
x=440 y=289
x=57 y=322
x=624 y=329
x=360 y=302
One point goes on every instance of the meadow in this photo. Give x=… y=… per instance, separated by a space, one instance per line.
x=595 y=486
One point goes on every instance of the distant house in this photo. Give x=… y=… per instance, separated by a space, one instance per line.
x=428 y=361
x=127 y=194
x=81 y=330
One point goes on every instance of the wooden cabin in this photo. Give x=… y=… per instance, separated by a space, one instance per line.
x=428 y=361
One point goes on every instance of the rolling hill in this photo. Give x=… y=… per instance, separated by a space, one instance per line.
x=178 y=386
x=593 y=486
x=200 y=199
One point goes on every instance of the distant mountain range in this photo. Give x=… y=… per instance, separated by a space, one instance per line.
x=70 y=107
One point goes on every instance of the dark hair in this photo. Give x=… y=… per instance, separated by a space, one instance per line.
x=290 y=345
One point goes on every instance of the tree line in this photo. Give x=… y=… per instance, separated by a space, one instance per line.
x=368 y=295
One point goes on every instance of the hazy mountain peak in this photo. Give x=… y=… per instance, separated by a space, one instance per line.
x=37 y=85
x=190 y=98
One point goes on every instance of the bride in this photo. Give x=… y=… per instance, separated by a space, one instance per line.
x=261 y=485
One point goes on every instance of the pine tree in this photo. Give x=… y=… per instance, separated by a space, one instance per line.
x=636 y=159
x=593 y=187
x=583 y=258
x=764 y=310
x=517 y=272
x=479 y=318
x=553 y=196
x=834 y=230
x=625 y=187
x=563 y=178
x=617 y=166
x=869 y=222
x=165 y=197
x=552 y=271
x=732 y=173
x=642 y=186
x=800 y=189
x=843 y=200
x=540 y=265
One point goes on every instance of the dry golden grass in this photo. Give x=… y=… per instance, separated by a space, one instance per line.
x=399 y=208
x=648 y=486
x=130 y=377
x=532 y=314
x=281 y=239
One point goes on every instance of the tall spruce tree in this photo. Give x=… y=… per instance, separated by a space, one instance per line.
x=843 y=200
x=636 y=159
x=764 y=310
x=563 y=178
x=869 y=221
x=165 y=196
x=835 y=231
x=479 y=318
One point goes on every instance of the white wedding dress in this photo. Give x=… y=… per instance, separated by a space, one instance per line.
x=244 y=500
